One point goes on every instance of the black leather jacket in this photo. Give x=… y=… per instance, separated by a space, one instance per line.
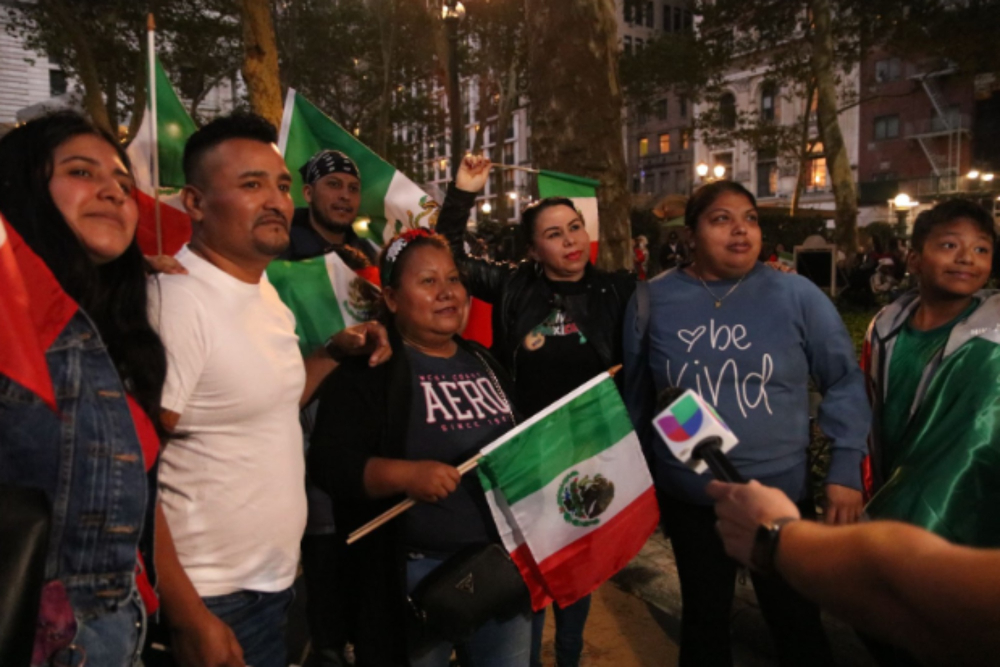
x=521 y=296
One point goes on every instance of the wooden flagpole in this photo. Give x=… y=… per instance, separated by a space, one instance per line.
x=154 y=138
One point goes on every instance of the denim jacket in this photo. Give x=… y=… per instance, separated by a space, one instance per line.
x=88 y=459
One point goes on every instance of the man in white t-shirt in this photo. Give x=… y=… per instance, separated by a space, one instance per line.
x=232 y=498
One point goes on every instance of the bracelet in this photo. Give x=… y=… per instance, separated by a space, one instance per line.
x=765 y=544
x=335 y=352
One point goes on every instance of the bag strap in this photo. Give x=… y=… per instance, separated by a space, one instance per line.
x=496 y=384
x=642 y=312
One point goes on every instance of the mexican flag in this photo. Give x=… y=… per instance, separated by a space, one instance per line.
x=391 y=201
x=34 y=309
x=571 y=494
x=583 y=192
x=173 y=127
x=325 y=295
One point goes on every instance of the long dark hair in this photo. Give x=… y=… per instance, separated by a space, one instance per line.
x=112 y=294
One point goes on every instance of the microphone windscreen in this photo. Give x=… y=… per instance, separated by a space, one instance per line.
x=667 y=396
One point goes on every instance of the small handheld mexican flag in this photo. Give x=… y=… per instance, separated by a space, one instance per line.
x=157 y=154
x=571 y=494
x=325 y=295
x=583 y=192
x=391 y=201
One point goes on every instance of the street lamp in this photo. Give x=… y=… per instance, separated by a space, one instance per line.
x=719 y=171
x=902 y=205
x=987 y=177
x=452 y=12
x=486 y=207
x=973 y=174
x=701 y=170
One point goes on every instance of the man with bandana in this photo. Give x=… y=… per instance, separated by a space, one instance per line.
x=332 y=186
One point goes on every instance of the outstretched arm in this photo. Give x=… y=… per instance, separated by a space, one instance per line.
x=900 y=583
x=484 y=278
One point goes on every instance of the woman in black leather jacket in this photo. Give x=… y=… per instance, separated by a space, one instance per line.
x=557 y=322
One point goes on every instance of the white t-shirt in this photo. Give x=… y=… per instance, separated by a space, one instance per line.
x=233 y=490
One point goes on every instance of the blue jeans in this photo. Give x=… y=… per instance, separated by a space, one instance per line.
x=569 y=633
x=258 y=620
x=114 y=639
x=496 y=644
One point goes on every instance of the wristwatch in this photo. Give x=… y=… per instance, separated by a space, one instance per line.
x=334 y=350
x=765 y=544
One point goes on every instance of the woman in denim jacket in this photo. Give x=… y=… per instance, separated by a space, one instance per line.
x=66 y=189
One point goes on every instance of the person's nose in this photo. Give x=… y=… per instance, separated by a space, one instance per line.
x=112 y=190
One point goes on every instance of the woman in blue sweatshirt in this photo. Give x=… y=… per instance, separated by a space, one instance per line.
x=748 y=339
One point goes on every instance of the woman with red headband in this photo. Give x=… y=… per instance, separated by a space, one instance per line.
x=400 y=430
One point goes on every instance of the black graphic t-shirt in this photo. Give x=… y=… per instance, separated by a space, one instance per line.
x=456 y=412
x=555 y=357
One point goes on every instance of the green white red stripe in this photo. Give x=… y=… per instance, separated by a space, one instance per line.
x=583 y=192
x=571 y=494
x=324 y=294
x=166 y=148
x=391 y=201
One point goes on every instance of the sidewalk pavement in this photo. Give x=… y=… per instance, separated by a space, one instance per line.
x=652 y=577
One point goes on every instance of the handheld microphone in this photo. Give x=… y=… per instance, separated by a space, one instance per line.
x=695 y=434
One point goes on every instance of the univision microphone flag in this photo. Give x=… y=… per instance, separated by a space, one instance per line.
x=689 y=421
x=571 y=494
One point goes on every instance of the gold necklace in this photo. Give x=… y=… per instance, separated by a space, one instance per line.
x=719 y=300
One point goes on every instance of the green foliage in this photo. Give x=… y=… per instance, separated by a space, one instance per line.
x=102 y=44
x=366 y=63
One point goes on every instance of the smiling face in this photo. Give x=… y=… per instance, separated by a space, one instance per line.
x=241 y=202
x=955 y=259
x=93 y=190
x=560 y=243
x=429 y=300
x=334 y=201
x=727 y=238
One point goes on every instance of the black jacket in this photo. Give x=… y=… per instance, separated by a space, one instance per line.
x=363 y=413
x=521 y=296
x=304 y=242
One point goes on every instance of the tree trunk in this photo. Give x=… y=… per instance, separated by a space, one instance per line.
x=93 y=95
x=805 y=150
x=139 y=94
x=844 y=189
x=260 y=60
x=576 y=108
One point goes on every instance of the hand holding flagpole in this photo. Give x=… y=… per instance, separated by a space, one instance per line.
x=468 y=466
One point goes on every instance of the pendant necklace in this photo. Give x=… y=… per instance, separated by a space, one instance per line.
x=718 y=300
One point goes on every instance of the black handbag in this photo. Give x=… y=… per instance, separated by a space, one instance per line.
x=473 y=586
x=24 y=535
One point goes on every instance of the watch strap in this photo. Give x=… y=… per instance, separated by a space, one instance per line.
x=765 y=544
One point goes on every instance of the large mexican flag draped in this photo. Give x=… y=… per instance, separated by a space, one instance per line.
x=173 y=127
x=571 y=494
x=392 y=202
x=583 y=192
